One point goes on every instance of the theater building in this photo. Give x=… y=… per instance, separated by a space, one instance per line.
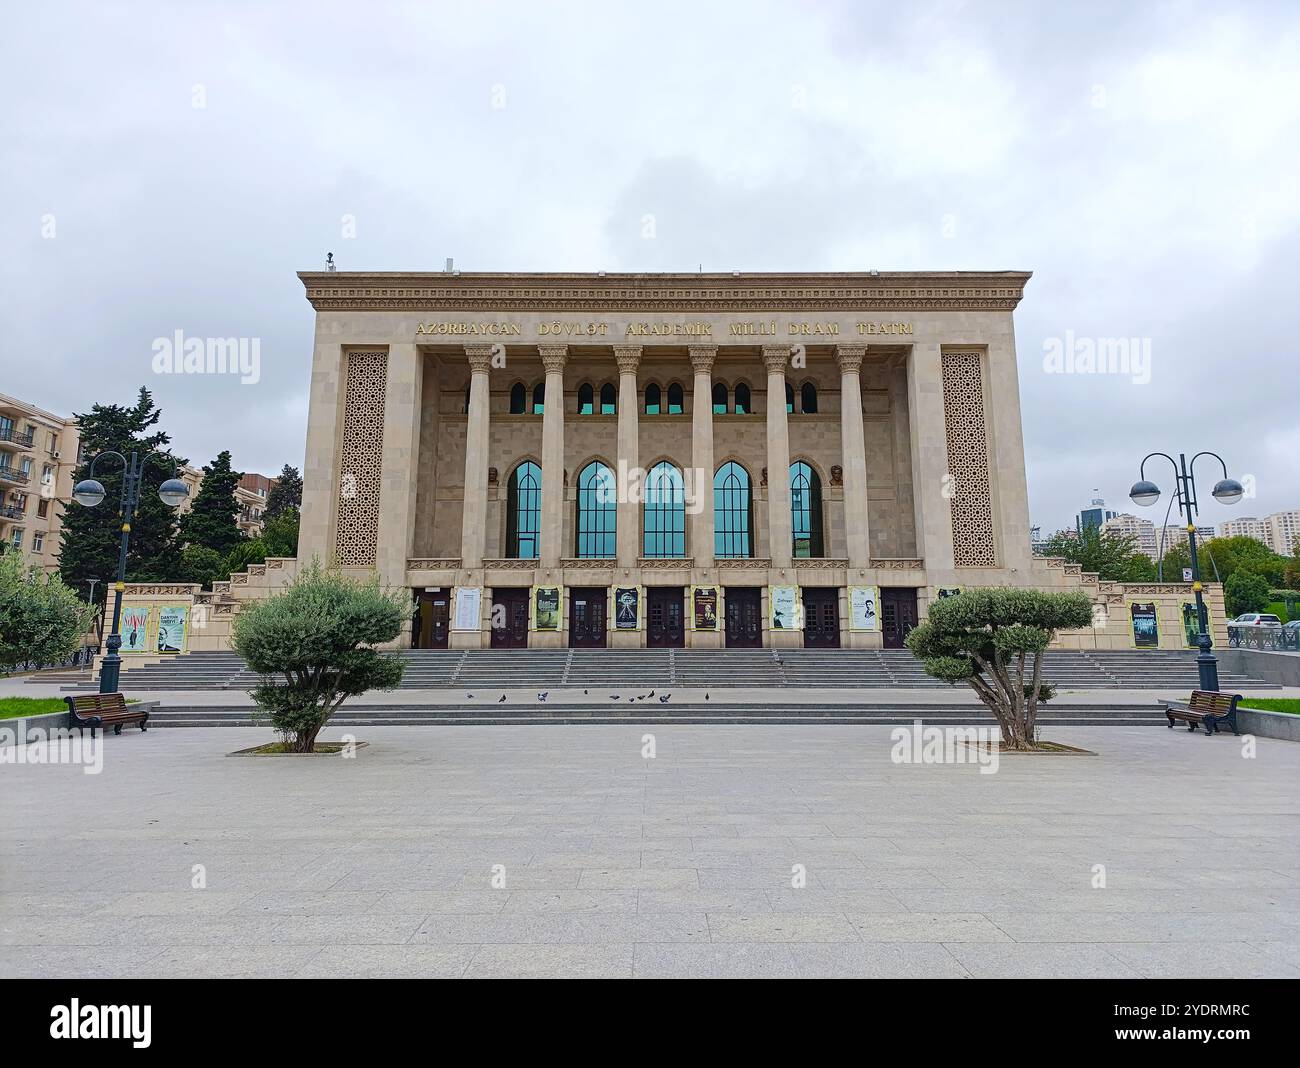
x=690 y=460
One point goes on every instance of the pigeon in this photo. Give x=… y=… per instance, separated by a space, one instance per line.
x=543 y=696
x=706 y=696
x=651 y=693
x=664 y=699
x=469 y=697
x=503 y=700
x=613 y=697
x=584 y=692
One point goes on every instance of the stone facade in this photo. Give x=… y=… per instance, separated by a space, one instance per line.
x=882 y=411
x=38 y=455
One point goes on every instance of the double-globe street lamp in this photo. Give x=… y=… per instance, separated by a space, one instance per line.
x=1226 y=491
x=89 y=492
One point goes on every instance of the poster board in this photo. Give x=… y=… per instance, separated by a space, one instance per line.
x=784 y=610
x=864 y=604
x=547 y=608
x=172 y=634
x=704 y=608
x=136 y=627
x=1145 y=625
x=469 y=608
x=627 y=608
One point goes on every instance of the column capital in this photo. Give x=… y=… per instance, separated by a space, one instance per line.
x=702 y=357
x=774 y=358
x=554 y=357
x=850 y=357
x=628 y=358
x=480 y=357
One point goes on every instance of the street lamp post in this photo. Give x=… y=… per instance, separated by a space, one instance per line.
x=89 y=492
x=1226 y=491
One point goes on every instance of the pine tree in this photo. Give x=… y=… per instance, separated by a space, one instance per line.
x=90 y=536
x=211 y=522
x=286 y=493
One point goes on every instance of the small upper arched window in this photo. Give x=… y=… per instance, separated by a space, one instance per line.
x=789 y=398
x=743 y=406
x=518 y=399
x=586 y=399
x=539 y=398
x=608 y=399
x=808 y=399
x=719 y=399
x=652 y=399
x=675 y=399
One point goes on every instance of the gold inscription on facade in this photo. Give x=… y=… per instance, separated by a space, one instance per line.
x=884 y=328
x=669 y=330
x=556 y=328
x=814 y=329
x=469 y=329
x=748 y=328
x=767 y=329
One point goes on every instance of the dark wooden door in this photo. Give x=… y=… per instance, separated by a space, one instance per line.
x=897 y=615
x=587 y=617
x=432 y=620
x=665 y=617
x=821 y=617
x=509 y=618
x=744 y=610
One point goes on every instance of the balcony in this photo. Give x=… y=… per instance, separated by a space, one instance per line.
x=12 y=474
x=11 y=435
x=11 y=511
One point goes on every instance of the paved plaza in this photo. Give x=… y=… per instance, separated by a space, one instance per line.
x=615 y=865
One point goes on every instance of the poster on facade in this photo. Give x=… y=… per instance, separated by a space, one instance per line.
x=546 y=608
x=948 y=591
x=704 y=607
x=135 y=629
x=627 y=607
x=1191 y=625
x=469 y=608
x=862 y=608
x=172 y=620
x=784 y=604
x=1146 y=629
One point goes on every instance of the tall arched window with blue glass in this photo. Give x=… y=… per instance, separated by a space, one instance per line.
x=597 y=512
x=806 y=511
x=665 y=512
x=524 y=511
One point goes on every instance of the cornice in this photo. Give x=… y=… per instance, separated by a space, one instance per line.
x=492 y=292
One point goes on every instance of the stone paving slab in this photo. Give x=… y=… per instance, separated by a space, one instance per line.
x=684 y=865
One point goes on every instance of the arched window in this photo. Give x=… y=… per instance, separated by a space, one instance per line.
x=652 y=399
x=518 y=399
x=675 y=399
x=524 y=511
x=597 y=511
x=586 y=399
x=806 y=510
x=733 y=512
x=719 y=399
x=539 y=398
x=608 y=399
x=808 y=399
x=665 y=512
x=789 y=398
x=743 y=406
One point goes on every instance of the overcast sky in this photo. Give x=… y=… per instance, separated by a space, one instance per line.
x=170 y=166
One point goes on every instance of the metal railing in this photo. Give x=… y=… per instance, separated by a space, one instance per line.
x=11 y=434
x=13 y=474
x=1268 y=639
x=81 y=658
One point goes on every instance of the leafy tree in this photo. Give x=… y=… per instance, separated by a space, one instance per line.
x=211 y=521
x=89 y=540
x=986 y=637
x=202 y=565
x=313 y=645
x=1245 y=592
x=1110 y=554
x=286 y=494
x=280 y=534
x=41 y=618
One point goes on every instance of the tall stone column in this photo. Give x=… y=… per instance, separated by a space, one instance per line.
x=628 y=459
x=554 y=358
x=779 y=534
x=931 y=490
x=400 y=459
x=473 y=531
x=702 y=357
x=854 y=449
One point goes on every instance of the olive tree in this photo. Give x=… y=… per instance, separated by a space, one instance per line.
x=41 y=618
x=994 y=640
x=314 y=644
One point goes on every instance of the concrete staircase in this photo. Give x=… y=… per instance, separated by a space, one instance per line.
x=595 y=669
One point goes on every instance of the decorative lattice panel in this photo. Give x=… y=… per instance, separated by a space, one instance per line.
x=968 y=460
x=357 y=505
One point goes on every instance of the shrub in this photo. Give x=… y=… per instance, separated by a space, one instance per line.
x=41 y=617
x=313 y=645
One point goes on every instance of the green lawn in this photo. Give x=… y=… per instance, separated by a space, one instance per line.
x=1272 y=704
x=17 y=707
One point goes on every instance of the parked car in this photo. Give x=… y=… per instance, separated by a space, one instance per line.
x=1255 y=619
x=1293 y=625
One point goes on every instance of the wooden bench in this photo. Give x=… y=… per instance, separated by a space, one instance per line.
x=104 y=709
x=1205 y=709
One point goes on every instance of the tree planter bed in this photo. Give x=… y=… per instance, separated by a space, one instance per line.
x=321 y=749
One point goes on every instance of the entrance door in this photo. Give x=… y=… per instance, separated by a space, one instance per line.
x=587 y=617
x=897 y=615
x=513 y=632
x=821 y=610
x=665 y=617
x=744 y=610
x=432 y=620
